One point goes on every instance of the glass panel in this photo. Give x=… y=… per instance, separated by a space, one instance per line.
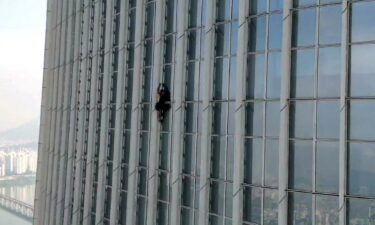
x=361 y=211
x=254 y=119
x=300 y=209
x=362 y=73
x=257 y=34
x=271 y=199
x=255 y=76
x=329 y=70
x=220 y=114
x=328 y=125
x=218 y=157
x=327 y=167
x=217 y=197
x=274 y=75
x=303 y=73
x=276 y=4
x=272 y=163
x=327 y=210
x=221 y=76
x=257 y=6
x=330 y=24
x=230 y=158
x=253 y=161
x=304 y=27
x=233 y=78
x=272 y=119
x=222 y=39
x=223 y=8
x=301 y=119
x=234 y=38
x=252 y=205
x=228 y=200
x=362 y=120
x=275 y=31
x=300 y=165
x=361 y=169
x=363 y=15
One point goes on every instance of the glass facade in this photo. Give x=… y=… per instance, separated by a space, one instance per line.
x=297 y=74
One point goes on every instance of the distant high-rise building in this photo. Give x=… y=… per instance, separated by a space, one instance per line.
x=272 y=119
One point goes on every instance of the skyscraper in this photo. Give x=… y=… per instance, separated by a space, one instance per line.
x=272 y=118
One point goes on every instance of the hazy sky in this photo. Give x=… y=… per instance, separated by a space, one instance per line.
x=22 y=29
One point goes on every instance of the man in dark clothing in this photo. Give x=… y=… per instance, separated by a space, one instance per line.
x=164 y=101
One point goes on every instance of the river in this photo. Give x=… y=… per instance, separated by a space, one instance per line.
x=21 y=188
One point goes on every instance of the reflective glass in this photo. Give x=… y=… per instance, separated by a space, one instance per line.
x=330 y=24
x=361 y=211
x=274 y=75
x=300 y=209
x=221 y=77
x=218 y=157
x=228 y=200
x=254 y=119
x=301 y=119
x=270 y=214
x=326 y=210
x=328 y=119
x=193 y=11
x=361 y=169
x=217 y=197
x=193 y=45
x=329 y=69
x=300 y=165
x=257 y=34
x=231 y=116
x=234 y=38
x=276 y=5
x=272 y=119
x=252 y=205
x=275 y=31
x=362 y=73
x=253 y=161
x=327 y=167
x=362 y=120
x=219 y=120
x=230 y=158
x=192 y=74
x=255 y=76
x=303 y=73
x=223 y=8
x=272 y=163
x=233 y=78
x=235 y=9
x=363 y=16
x=222 y=39
x=149 y=27
x=304 y=27
x=257 y=6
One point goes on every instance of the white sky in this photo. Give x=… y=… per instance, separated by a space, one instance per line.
x=22 y=29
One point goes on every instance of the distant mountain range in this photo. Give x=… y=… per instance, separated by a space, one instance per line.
x=25 y=132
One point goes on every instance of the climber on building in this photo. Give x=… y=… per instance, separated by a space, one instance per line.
x=164 y=101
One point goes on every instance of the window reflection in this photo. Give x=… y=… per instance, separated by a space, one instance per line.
x=327 y=167
x=272 y=119
x=362 y=76
x=255 y=76
x=253 y=161
x=303 y=27
x=254 y=119
x=272 y=163
x=362 y=169
x=329 y=72
x=252 y=205
x=257 y=34
x=300 y=209
x=327 y=210
x=303 y=70
x=301 y=119
x=330 y=24
x=274 y=75
x=328 y=125
x=363 y=16
x=361 y=211
x=362 y=120
x=270 y=214
x=257 y=6
x=275 y=31
x=300 y=165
